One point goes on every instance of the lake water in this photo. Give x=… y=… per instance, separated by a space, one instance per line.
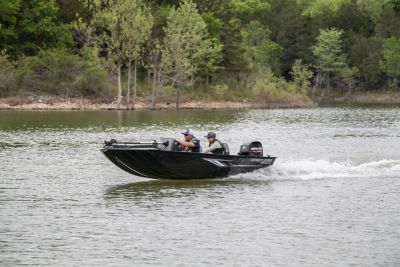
x=332 y=197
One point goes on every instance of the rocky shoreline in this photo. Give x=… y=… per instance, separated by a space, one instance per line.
x=57 y=103
x=87 y=104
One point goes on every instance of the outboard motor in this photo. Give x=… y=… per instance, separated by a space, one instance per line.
x=251 y=149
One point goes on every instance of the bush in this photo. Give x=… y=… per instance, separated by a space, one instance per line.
x=7 y=76
x=93 y=79
x=271 y=88
x=301 y=77
x=57 y=72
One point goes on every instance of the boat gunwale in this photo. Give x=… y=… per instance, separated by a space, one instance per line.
x=186 y=153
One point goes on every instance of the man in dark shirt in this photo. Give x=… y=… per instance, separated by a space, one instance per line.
x=190 y=143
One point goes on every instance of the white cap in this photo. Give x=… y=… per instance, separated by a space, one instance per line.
x=188 y=131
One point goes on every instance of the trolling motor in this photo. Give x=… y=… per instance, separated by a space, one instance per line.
x=109 y=143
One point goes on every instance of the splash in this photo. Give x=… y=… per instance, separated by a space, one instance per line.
x=324 y=169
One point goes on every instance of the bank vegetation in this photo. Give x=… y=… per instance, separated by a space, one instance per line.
x=135 y=53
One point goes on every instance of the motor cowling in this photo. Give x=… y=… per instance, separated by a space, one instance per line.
x=253 y=148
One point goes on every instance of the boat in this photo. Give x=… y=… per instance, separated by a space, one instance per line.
x=161 y=160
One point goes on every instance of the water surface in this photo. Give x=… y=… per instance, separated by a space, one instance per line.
x=331 y=199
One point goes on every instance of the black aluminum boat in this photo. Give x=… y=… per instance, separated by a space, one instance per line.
x=161 y=160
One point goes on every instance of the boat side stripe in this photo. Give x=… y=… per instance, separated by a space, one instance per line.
x=218 y=162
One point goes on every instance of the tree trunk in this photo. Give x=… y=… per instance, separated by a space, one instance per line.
x=328 y=81
x=177 y=97
x=349 y=85
x=119 y=84
x=388 y=82
x=159 y=81
x=128 y=89
x=153 y=96
x=134 y=84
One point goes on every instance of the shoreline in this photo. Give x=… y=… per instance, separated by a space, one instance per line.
x=84 y=104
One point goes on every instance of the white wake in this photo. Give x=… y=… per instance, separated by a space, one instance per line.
x=321 y=169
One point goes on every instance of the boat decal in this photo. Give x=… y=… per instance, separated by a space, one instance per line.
x=218 y=162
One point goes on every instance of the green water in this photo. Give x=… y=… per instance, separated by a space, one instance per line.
x=332 y=197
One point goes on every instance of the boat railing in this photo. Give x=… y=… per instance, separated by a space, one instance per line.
x=115 y=144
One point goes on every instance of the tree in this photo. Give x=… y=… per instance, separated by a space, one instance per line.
x=391 y=60
x=8 y=20
x=137 y=22
x=301 y=76
x=186 y=45
x=260 y=49
x=314 y=8
x=108 y=20
x=153 y=50
x=330 y=59
x=292 y=31
x=38 y=27
x=245 y=9
x=365 y=54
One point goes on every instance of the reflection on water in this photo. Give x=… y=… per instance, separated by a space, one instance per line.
x=176 y=188
x=4 y=145
x=13 y=120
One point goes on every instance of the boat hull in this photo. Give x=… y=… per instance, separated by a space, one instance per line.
x=161 y=164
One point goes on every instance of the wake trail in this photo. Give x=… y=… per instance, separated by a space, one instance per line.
x=324 y=169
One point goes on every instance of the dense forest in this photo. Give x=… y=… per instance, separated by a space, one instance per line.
x=223 y=49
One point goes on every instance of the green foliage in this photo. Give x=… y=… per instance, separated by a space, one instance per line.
x=8 y=20
x=292 y=31
x=7 y=75
x=187 y=47
x=107 y=20
x=221 y=91
x=301 y=76
x=328 y=51
x=246 y=8
x=38 y=28
x=57 y=72
x=93 y=79
x=365 y=54
x=271 y=88
x=314 y=8
x=222 y=42
x=388 y=24
x=260 y=50
x=68 y=11
x=373 y=7
x=136 y=25
x=214 y=24
x=391 y=57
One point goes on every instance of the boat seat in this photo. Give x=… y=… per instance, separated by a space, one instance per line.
x=225 y=148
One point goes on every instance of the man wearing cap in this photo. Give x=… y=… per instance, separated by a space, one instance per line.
x=214 y=145
x=190 y=143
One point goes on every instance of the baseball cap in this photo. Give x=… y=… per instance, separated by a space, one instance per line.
x=188 y=131
x=211 y=134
